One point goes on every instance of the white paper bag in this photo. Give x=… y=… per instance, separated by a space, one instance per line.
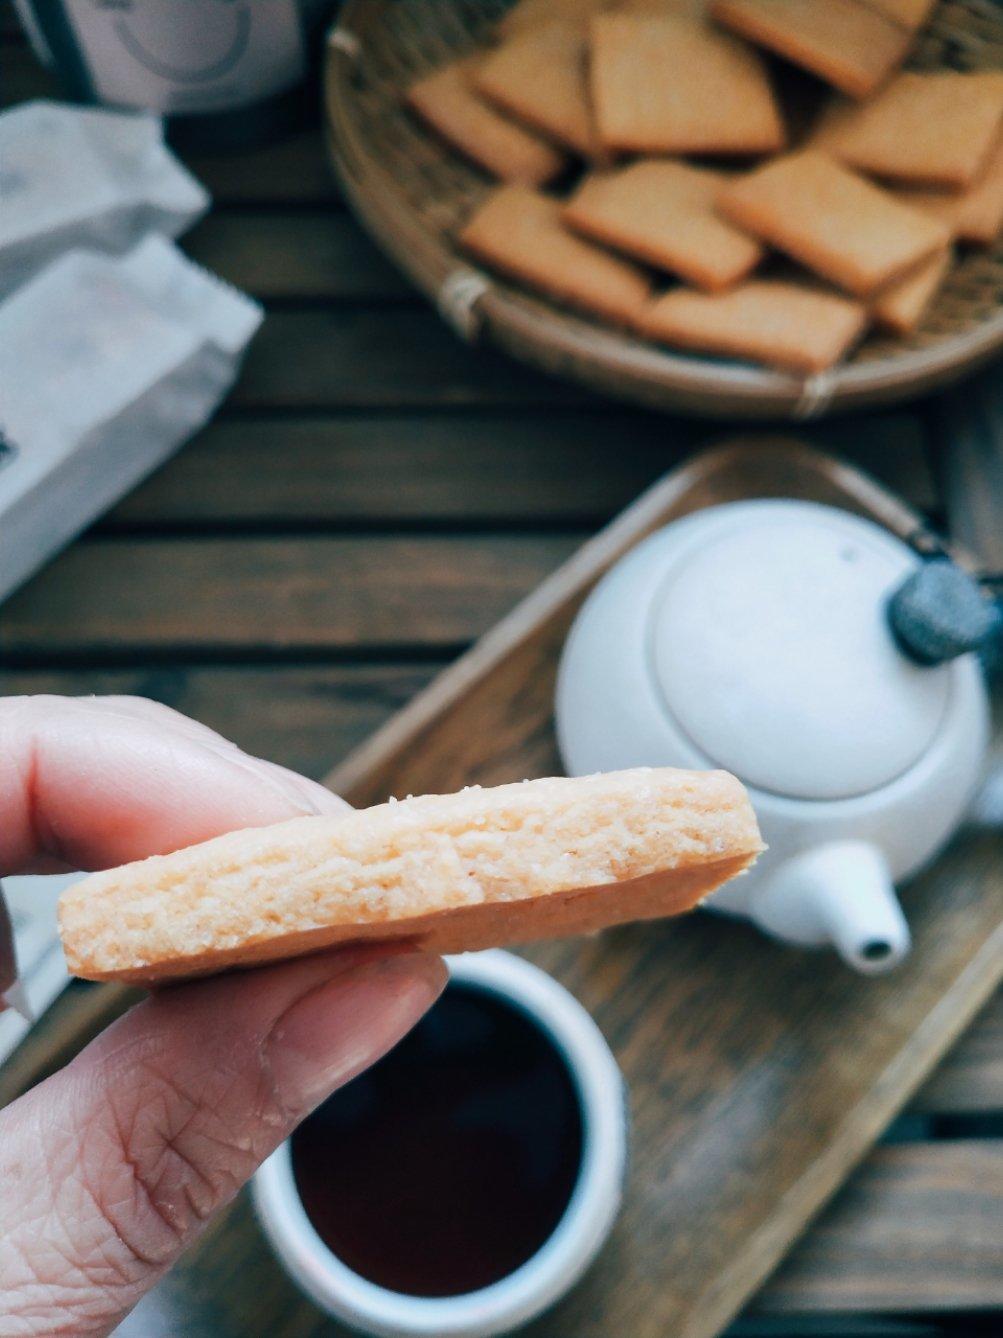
x=83 y=177
x=109 y=364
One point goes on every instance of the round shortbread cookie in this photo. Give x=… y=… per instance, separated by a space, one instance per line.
x=447 y=873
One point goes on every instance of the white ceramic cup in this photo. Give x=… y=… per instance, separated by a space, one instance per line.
x=557 y=1266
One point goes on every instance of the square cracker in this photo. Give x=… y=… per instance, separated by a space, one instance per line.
x=844 y=42
x=539 y=77
x=902 y=305
x=529 y=13
x=942 y=204
x=974 y=215
x=979 y=216
x=694 y=9
x=662 y=212
x=912 y=14
x=670 y=84
x=928 y=128
x=779 y=322
x=520 y=233
x=835 y=222
x=446 y=100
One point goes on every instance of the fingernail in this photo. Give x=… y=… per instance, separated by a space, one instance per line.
x=341 y=1027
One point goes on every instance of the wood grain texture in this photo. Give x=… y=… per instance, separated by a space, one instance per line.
x=917 y=1228
x=970 y=1079
x=364 y=358
x=309 y=255
x=751 y=1102
x=274 y=595
x=970 y=428
x=463 y=467
x=10 y=27
x=25 y=77
x=508 y=467
x=294 y=171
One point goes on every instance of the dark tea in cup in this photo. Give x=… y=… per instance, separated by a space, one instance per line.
x=450 y=1163
x=463 y=1185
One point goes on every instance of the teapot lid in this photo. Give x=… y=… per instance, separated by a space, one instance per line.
x=772 y=649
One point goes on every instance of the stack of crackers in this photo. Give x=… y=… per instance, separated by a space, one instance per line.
x=655 y=173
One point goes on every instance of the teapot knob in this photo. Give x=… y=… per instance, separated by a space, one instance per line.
x=940 y=612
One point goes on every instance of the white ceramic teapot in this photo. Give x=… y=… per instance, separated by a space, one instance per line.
x=756 y=637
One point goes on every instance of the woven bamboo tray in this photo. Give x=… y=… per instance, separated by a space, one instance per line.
x=413 y=193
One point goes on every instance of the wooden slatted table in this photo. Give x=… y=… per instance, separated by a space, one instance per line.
x=374 y=496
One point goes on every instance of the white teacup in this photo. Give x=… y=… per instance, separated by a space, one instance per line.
x=557 y=1266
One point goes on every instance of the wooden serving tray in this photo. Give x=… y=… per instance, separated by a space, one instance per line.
x=759 y=1075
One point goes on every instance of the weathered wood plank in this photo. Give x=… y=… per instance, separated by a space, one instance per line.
x=294 y=170
x=274 y=596
x=970 y=1080
x=891 y=446
x=291 y=254
x=916 y=1228
x=10 y=27
x=323 y=359
x=470 y=467
x=24 y=76
x=408 y=358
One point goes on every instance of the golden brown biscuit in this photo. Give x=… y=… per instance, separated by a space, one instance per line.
x=669 y=84
x=447 y=102
x=539 y=77
x=844 y=42
x=527 y=13
x=662 y=212
x=974 y=215
x=979 y=216
x=531 y=13
x=694 y=9
x=902 y=305
x=784 y=324
x=942 y=204
x=911 y=14
x=446 y=873
x=520 y=233
x=933 y=129
x=835 y=222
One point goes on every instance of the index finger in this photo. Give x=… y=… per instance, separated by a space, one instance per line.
x=84 y=787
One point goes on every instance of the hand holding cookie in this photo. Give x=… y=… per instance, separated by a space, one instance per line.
x=127 y=1153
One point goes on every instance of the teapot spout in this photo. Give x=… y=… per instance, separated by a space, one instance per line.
x=839 y=893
